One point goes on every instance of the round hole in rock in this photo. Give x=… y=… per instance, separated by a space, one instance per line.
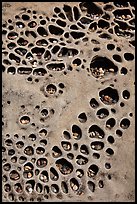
x=39 y=188
x=110 y=139
x=117 y=58
x=110 y=123
x=102 y=113
x=11 y=152
x=44 y=177
x=79 y=173
x=66 y=145
x=110 y=46
x=66 y=135
x=125 y=123
x=7 y=167
x=51 y=89
x=128 y=56
x=32 y=137
x=56 y=152
x=109 y=151
x=91 y=186
x=29 y=151
x=64 y=187
x=77 y=133
x=77 y=61
x=96 y=132
x=96 y=155
x=75 y=146
x=14 y=159
x=24 y=120
x=11 y=70
x=70 y=156
x=43 y=142
x=7 y=187
x=113 y=110
x=80 y=160
x=107 y=165
x=92 y=170
x=97 y=145
x=74 y=184
x=44 y=112
x=84 y=149
x=61 y=85
x=40 y=150
x=101 y=184
x=123 y=71
x=8 y=142
x=53 y=174
x=41 y=162
x=126 y=94
x=122 y=104
x=11 y=197
x=18 y=188
x=14 y=175
x=109 y=96
x=20 y=144
x=42 y=22
x=119 y=133
x=54 y=188
x=64 y=166
x=93 y=103
x=43 y=132
x=22 y=159
x=82 y=117
x=25 y=17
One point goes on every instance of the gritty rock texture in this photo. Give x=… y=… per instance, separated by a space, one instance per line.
x=68 y=111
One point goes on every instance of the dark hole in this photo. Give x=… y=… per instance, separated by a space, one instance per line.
x=80 y=160
x=25 y=17
x=66 y=35
x=92 y=170
x=29 y=150
x=4 y=32
x=41 y=31
x=55 y=30
x=73 y=27
x=77 y=61
x=113 y=110
x=130 y=114
x=122 y=104
x=126 y=94
x=109 y=151
x=22 y=42
x=70 y=156
x=19 y=144
x=117 y=58
x=96 y=49
x=3 y=68
x=64 y=166
x=110 y=123
x=109 y=96
x=47 y=56
x=103 y=24
x=97 y=145
x=43 y=132
x=91 y=186
x=42 y=22
x=11 y=45
x=96 y=155
x=32 y=24
x=56 y=66
x=11 y=70
x=66 y=135
x=111 y=139
x=39 y=72
x=80 y=25
x=77 y=133
x=20 y=24
x=105 y=35
x=76 y=13
x=61 y=23
x=11 y=152
x=121 y=4
x=93 y=103
x=84 y=149
x=53 y=174
x=122 y=13
x=82 y=117
x=85 y=20
x=128 y=56
x=77 y=35
x=10 y=27
x=96 y=132
x=55 y=49
x=56 y=152
x=61 y=15
x=66 y=145
x=64 y=187
x=61 y=85
x=107 y=165
x=75 y=146
x=108 y=7
x=93 y=26
x=14 y=57
x=21 y=51
x=41 y=162
x=54 y=188
x=38 y=51
x=51 y=89
x=40 y=150
x=57 y=10
x=125 y=123
x=102 y=113
x=91 y=8
x=43 y=142
x=8 y=102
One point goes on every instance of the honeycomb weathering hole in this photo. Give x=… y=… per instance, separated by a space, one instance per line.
x=68 y=106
